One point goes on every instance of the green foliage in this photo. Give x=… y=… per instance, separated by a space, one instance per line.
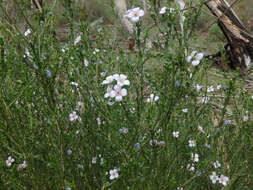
x=44 y=83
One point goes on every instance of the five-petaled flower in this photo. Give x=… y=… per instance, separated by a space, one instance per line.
x=223 y=180
x=134 y=14
x=114 y=174
x=118 y=93
x=73 y=116
x=9 y=161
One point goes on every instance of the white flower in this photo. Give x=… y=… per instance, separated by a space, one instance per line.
x=124 y=130
x=85 y=62
x=214 y=178
x=163 y=10
x=77 y=40
x=118 y=93
x=134 y=14
x=223 y=180
x=175 y=134
x=194 y=157
x=197 y=87
x=108 y=80
x=113 y=174
x=185 y=110
x=152 y=98
x=210 y=89
x=73 y=116
x=192 y=143
x=9 y=161
x=216 y=164
x=121 y=79
x=27 y=32
x=218 y=87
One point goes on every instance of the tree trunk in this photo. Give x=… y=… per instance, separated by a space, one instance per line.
x=121 y=8
x=239 y=49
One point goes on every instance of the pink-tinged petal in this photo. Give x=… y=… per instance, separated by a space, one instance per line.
x=195 y=63
x=188 y=59
x=199 y=56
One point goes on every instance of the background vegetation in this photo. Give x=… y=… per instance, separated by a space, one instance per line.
x=55 y=117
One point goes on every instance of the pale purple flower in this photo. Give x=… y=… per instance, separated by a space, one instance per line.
x=162 y=10
x=175 y=134
x=118 y=93
x=69 y=152
x=85 y=62
x=22 y=166
x=223 y=180
x=134 y=14
x=227 y=122
x=113 y=174
x=9 y=161
x=73 y=116
x=77 y=40
x=121 y=79
x=185 y=110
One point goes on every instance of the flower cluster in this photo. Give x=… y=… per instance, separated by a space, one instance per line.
x=195 y=58
x=222 y=179
x=116 y=91
x=9 y=161
x=134 y=14
x=164 y=9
